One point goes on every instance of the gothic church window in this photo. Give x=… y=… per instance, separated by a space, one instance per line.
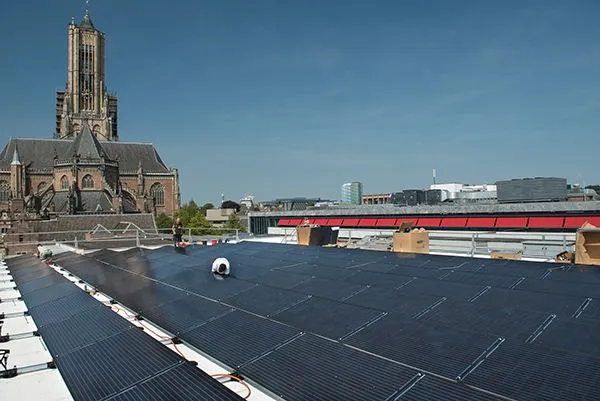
x=87 y=182
x=64 y=182
x=4 y=191
x=157 y=193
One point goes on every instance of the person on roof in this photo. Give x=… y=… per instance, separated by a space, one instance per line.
x=177 y=229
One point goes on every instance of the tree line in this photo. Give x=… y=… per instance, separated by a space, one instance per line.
x=192 y=215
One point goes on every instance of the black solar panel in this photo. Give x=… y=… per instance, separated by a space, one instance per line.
x=111 y=365
x=434 y=348
x=150 y=297
x=183 y=382
x=43 y=282
x=238 y=337
x=327 y=288
x=393 y=301
x=51 y=293
x=444 y=315
x=332 y=319
x=83 y=329
x=312 y=368
x=431 y=388
x=63 y=308
x=441 y=288
x=265 y=300
x=184 y=313
x=378 y=279
x=529 y=372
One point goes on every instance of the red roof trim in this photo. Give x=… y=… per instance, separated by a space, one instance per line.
x=481 y=222
x=512 y=222
x=429 y=221
x=546 y=222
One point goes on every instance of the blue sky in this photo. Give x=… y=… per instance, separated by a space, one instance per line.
x=284 y=98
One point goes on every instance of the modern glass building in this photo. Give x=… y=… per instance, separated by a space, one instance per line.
x=352 y=192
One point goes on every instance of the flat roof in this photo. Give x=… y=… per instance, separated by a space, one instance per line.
x=290 y=317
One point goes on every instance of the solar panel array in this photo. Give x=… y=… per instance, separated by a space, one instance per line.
x=99 y=354
x=319 y=323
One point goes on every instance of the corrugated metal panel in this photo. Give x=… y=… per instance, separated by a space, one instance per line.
x=546 y=222
x=576 y=222
x=429 y=221
x=350 y=222
x=481 y=222
x=368 y=222
x=386 y=222
x=512 y=222
x=453 y=222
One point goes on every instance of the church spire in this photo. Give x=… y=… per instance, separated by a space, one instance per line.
x=87 y=20
x=16 y=161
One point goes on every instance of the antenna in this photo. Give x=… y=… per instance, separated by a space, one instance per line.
x=433 y=176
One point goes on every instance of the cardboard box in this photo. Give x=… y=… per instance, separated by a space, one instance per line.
x=411 y=240
x=587 y=245
x=316 y=235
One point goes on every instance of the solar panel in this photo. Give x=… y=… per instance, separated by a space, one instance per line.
x=329 y=318
x=265 y=300
x=392 y=301
x=51 y=293
x=560 y=288
x=184 y=313
x=82 y=329
x=327 y=288
x=281 y=279
x=150 y=297
x=573 y=336
x=529 y=372
x=441 y=288
x=46 y=281
x=238 y=337
x=181 y=382
x=432 y=388
x=378 y=279
x=518 y=299
x=435 y=348
x=113 y=364
x=63 y=308
x=312 y=368
x=498 y=320
x=480 y=279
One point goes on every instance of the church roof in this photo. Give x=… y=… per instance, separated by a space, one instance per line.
x=39 y=154
x=87 y=146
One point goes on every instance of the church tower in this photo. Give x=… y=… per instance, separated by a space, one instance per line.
x=85 y=99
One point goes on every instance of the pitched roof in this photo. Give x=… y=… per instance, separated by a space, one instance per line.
x=86 y=145
x=86 y=22
x=39 y=154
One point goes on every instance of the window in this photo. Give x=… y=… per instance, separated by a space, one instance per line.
x=87 y=182
x=157 y=193
x=41 y=186
x=4 y=191
x=64 y=182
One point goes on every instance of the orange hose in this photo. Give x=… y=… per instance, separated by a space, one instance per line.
x=236 y=379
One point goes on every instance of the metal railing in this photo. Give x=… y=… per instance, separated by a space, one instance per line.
x=100 y=234
x=535 y=245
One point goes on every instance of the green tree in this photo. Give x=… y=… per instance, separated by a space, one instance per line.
x=164 y=221
x=594 y=187
x=234 y=222
x=208 y=205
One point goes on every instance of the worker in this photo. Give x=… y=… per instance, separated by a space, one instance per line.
x=221 y=267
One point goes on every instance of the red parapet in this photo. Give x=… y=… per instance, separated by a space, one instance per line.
x=546 y=222
x=429 y=222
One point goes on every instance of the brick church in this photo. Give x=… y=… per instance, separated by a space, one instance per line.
x=85 y=168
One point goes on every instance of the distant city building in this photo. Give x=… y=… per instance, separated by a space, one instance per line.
x=376 y=199
x=352 y=192
x=288 y=204
x=539 y=189
x=248 y=201
x=218 y=216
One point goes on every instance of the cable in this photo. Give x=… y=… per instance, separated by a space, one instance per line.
x=237 y=379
